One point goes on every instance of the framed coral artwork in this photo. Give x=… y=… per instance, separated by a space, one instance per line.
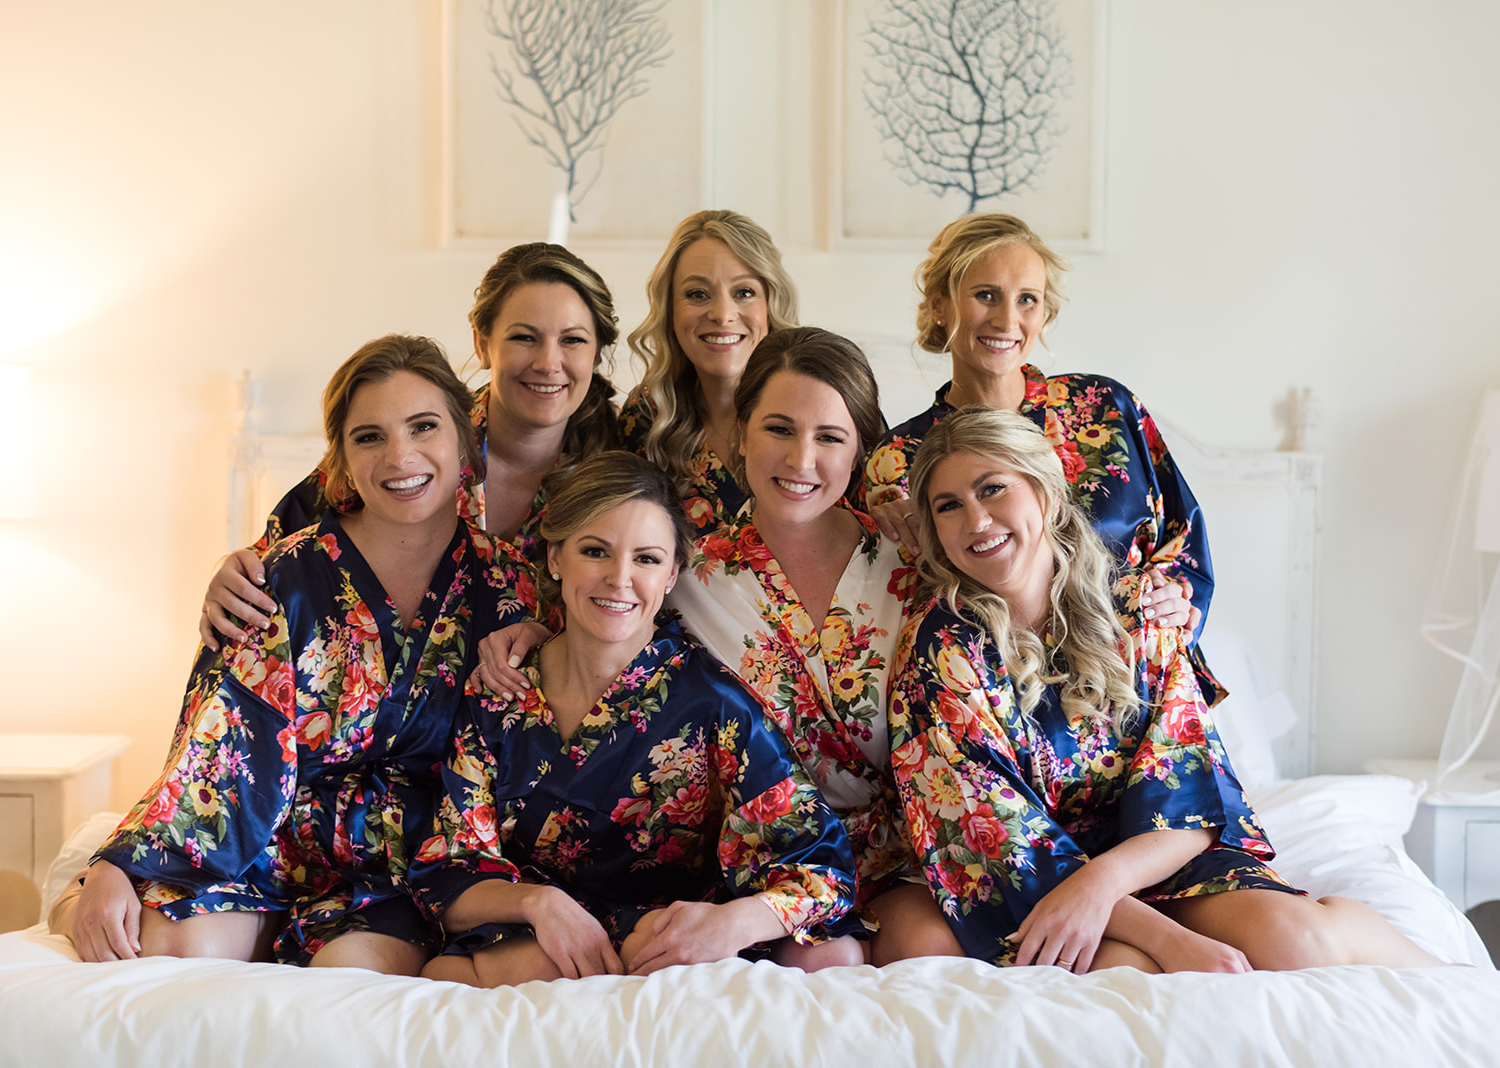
x=578 y=120
x=946 y=107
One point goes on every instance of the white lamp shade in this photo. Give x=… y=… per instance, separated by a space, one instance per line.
x=18 y=429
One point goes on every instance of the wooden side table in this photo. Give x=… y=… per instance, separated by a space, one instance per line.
x=1455 y=836
x=50 y=783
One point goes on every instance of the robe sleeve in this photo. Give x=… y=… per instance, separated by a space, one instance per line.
x=1180 y=549
x=301 y=507
x=779 y=838
x=987 y=843
x=231 y=776
x=1180 y=776
x=465 y=846
x=886 y=473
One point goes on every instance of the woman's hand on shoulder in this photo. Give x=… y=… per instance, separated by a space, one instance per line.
x=1168 y=602
x=502 y=653
x=107 y=918
x=235 y=591
x=897 y=520
x=570 y=935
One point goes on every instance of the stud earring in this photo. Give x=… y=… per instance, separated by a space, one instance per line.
x=556 y=577
x=669 y=589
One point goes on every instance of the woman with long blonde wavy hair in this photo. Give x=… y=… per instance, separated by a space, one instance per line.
x=1067 y=795
x=717 y=290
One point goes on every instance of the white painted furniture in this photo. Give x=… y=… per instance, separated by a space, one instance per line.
x=50 y=783
x=1455 y=837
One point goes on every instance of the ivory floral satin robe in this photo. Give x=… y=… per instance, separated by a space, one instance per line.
x=1002 y=807
x=825 y=686
x=304 y=503
x=714 y=497
x=1120 y=471
x=675 y=787
x=302 y=774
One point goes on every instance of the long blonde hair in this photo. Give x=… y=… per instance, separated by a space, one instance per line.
x=1091 y=655
x=669 y=380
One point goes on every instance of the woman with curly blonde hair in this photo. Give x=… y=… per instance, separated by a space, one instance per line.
x=990 y=288
x=716 y=291
x=1066 y=793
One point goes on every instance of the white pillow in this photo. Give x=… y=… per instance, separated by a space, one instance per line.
x=1253 y=715
x=75 y=853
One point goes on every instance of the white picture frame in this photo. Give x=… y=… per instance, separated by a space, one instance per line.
x=652 y=167
x=877 y=204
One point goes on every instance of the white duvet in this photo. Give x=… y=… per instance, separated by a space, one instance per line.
x=1335 y=835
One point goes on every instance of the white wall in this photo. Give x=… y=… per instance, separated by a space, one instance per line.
x=1298 y=194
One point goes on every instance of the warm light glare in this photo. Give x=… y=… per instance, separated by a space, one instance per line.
x=18 y=425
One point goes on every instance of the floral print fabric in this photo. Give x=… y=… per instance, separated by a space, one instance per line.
x=825 y=685
x=304 y=760
x=1002 y=806
x=674 y=787
x=714 y=497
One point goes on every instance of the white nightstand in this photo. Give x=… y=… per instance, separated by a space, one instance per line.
x=1455 y=837
x=50 y=783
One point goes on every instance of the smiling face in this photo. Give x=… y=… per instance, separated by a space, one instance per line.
x=402 y=451
x=800 y=447
x=998 y=313
x=541 y=352
x=990 y=523
x=719 y=309
x=614 y=572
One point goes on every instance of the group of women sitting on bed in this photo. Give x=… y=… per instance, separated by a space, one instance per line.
x=519 y=687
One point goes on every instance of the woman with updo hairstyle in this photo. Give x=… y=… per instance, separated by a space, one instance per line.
x=716 y=291
x=543 y=326
x=1066 y=793
x=300 y=779
x=632 y=808
x=990 y=287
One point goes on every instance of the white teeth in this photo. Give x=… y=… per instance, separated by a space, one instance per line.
x=1000 y=345
x=614 y=606
x=986 y=546
x=542 y=389
x=796 y=487
x=723 y=339
x=400 y=485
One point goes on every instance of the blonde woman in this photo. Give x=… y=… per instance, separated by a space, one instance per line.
x=1065 y=789
x=717 y=290
x=990 y=287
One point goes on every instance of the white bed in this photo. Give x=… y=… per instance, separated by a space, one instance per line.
x=1335 y=835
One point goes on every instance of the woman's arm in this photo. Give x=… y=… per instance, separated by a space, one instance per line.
x=1068 y=922
x=570 y=936
x=696 y=932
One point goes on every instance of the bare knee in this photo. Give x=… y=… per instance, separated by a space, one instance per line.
x=843 y=952
x=514 y=961
x=226 y=935
x=375 y=952
x=910 y=925
x=1112 y=954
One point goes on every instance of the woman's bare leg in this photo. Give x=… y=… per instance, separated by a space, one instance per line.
x=911 y=925
x=376 y=952
x=514 y=961
x=1278 y=931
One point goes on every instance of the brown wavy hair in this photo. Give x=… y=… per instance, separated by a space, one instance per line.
x=376 y=361
x=593 y=426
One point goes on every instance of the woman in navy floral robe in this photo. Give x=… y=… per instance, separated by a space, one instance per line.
x=541 y=318
x=990 y=287
x=633 y=807
x=1064 y=786
x=301 y=776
